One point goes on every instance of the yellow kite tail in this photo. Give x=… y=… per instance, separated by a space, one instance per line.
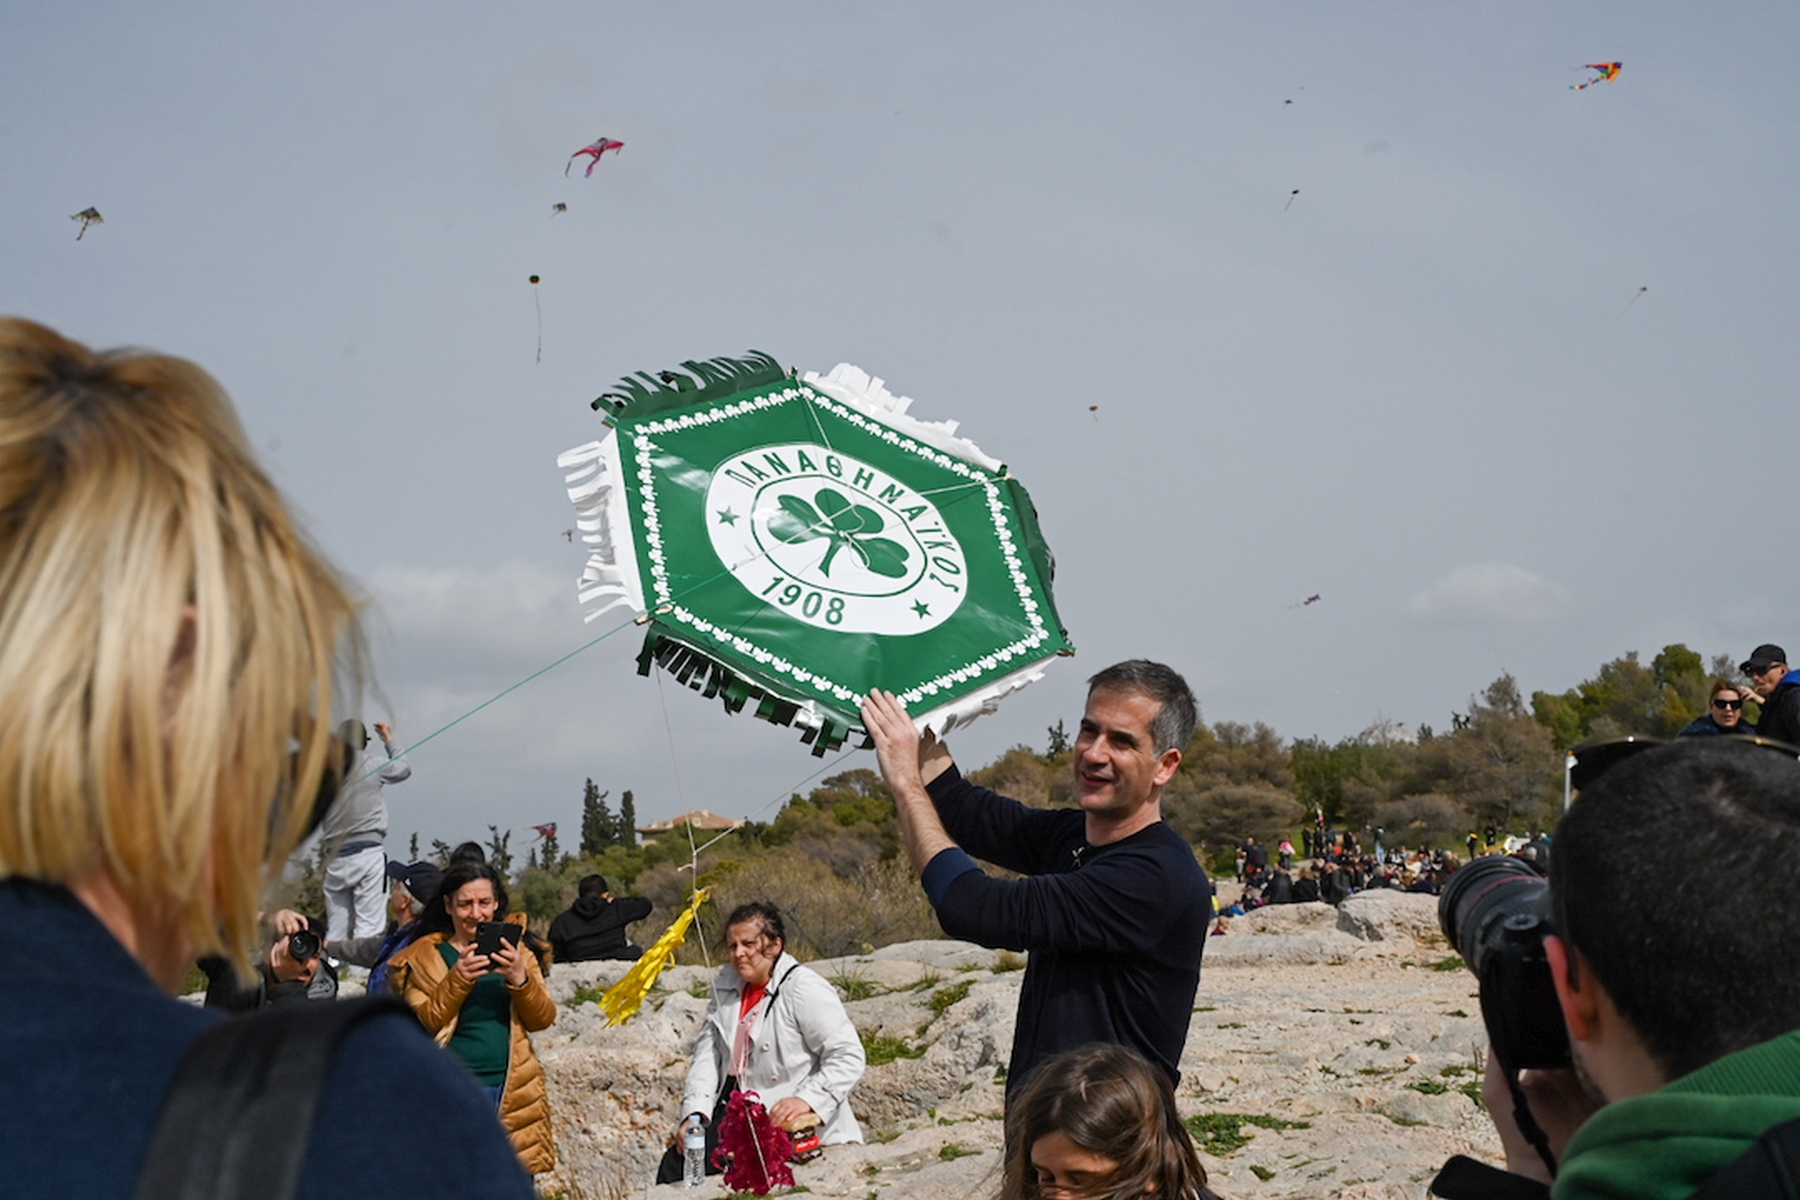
x=624 y=998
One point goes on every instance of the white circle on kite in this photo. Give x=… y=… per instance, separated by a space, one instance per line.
x=834 y=542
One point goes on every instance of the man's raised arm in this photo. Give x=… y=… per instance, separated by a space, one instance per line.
x=908 y=764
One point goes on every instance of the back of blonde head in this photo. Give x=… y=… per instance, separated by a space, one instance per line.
x=168 y=639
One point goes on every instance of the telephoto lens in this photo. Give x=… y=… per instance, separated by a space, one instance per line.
x=303 y=945
x=1496 y=911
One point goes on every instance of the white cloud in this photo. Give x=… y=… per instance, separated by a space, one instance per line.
x=1490 y=594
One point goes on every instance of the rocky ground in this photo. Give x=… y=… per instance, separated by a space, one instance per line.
x=1332 y=1053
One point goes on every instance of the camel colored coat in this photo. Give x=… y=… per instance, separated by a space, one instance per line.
x=436 y=994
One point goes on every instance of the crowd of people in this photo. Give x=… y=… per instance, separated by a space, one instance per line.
x=170 y=650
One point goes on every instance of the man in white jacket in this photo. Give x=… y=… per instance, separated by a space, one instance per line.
x=775 y=1028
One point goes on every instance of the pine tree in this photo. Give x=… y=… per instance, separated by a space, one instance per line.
x=440 y=850
x=551 y=858
x=499 y=857
x=597 y=831
x=412 y=848
x=627 y=820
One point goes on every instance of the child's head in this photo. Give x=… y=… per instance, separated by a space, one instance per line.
x=1098 y=1122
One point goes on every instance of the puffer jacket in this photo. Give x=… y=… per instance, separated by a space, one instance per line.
x=436 y=994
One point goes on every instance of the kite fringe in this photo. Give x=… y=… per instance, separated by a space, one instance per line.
x=868 y=395
x=701 y=379
x=693 y=668
x=609 y=578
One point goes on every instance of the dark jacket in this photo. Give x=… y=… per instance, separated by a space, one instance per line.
x=90 y=1044
x=594 y=928
x=1780 y=717
x=1705 y=726
x=1115 y=931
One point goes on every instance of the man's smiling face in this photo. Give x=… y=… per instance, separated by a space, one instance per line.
x=1117 y=769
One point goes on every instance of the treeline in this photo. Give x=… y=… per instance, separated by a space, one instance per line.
x=834 y=860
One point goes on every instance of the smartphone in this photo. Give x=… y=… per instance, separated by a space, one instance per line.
x=489 y=935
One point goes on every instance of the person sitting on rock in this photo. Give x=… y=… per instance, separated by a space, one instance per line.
x=1306 y=888
x=775 y=1028
x=1281 y=887
x=1100 y=1123
x=593 y=928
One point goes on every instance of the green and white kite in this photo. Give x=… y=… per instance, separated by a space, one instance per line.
x=797 y=541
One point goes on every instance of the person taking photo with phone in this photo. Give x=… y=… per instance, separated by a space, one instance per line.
x=481 y=993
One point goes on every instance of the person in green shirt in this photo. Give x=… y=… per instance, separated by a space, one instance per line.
x=1676 y=965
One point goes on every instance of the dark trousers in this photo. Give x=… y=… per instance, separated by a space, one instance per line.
x=674 y=1160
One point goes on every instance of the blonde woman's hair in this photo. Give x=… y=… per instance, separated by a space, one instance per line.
x=169 y=641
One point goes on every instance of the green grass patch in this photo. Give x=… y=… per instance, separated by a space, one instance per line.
x=943 y=998
x=925 y=982
x=1453 y=963
x=1456 y=1012
x=1472 y=1090
x=588 y=993
x=1231 y=1025
x=951 y=1152
x=1455 y=1069
x=1006 y=961
x=1428 y=1087
x=1262 y=1173
x=855 y=985
x=699 y=989
x=1382 y=1042
x=879 y=1048
x=882 y=1137
x=1220 y=1134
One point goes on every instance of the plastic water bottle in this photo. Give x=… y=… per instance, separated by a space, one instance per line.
x=695 y=1173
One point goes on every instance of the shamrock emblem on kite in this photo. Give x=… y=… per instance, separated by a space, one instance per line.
x=601 y=146
x=1609 y=71
x=87 y=216
x=842 y=524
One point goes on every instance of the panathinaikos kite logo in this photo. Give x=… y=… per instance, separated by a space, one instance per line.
x=797 y=542
x=837 y=543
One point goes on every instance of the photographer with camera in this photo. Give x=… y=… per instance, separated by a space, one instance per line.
x=1643 y=1007
x=291 y=969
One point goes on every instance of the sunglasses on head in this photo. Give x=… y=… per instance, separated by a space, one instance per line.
x=1728 y=704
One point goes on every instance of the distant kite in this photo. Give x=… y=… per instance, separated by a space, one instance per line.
x=558 y=208
x=1290 y=202
x=537 y=304
x=600 y=146
x=1633 y=300
x=546 y=831
x=1608 y=73
x=1313 y=599
x=87 y=216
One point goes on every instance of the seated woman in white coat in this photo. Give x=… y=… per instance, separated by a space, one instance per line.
x=775 y=1028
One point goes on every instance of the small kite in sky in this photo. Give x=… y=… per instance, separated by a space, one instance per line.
x=545 y=831
x=600 y=146
x=87 y=216
x=1312 y=599
x=1608 y=73
x=558 y=208
x=537 y=304
x=1633 y=300
x=1290 y=202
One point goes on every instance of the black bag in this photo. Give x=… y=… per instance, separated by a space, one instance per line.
x=237 y=1119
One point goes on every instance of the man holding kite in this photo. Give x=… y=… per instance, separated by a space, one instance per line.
x=1113 y=906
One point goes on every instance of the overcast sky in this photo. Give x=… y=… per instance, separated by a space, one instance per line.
x=1429 y=388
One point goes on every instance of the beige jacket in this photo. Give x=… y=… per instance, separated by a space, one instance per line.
x=437 y=993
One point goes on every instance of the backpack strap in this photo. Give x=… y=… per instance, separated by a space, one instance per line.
x=1770 y=1168
x=236 y=1121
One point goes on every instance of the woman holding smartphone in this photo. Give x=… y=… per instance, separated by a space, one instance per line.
x=481 y=993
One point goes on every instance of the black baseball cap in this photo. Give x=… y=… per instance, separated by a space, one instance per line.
x=422 y=879
x=1762 y=658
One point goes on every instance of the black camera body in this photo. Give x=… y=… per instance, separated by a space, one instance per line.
x=1496 y=911
x=303 y=945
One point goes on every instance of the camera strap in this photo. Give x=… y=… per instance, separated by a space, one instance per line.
x=236 y=1121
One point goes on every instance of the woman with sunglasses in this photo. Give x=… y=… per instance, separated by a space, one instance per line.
x=169 y=650
x=1724 y=713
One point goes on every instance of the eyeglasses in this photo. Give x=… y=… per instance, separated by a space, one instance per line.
x=1728 y=704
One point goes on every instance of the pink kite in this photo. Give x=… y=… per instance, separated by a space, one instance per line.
x=600 y=146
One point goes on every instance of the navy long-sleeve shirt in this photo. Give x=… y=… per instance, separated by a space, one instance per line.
x=1115 y=932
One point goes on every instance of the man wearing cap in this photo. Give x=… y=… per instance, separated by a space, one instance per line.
x=594 y=928
x=1779 y=690
x=353 y=833
x=415 y=887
